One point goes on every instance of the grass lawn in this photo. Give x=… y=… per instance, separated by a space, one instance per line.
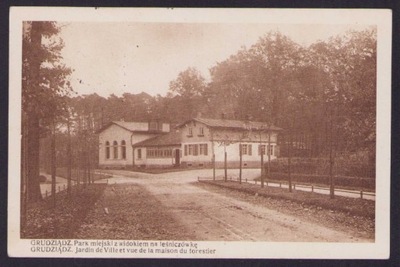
x=353 y=206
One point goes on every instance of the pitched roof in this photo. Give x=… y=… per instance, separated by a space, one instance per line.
x=168 y=139
x=234 y=124
x=128 y=125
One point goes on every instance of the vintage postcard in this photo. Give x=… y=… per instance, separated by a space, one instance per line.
x=199 y=133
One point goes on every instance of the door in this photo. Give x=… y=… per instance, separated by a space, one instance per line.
x=177 y=157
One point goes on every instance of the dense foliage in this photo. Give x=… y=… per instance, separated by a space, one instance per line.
x=321 y=94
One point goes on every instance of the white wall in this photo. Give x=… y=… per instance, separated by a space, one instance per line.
x=117 y=133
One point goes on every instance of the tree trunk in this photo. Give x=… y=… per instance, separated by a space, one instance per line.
x=33 y=146
x=32 y=122
x=53 y=164
x=69 y=157
x=331 y=159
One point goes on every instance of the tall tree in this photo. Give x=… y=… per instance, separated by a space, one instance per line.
x=188 y=88
x=44 y=80
x=279 y=58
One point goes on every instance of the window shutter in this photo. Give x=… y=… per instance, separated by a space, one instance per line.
x=195 y=152
x=186 y=150
x=249 y=148
x=206 y=149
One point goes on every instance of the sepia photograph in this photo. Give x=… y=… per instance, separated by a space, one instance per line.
x=199 y=133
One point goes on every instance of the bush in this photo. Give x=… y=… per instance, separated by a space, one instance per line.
x=344 y=181
x=343 y=166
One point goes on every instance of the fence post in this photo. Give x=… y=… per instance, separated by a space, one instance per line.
x=361 y=194
x=294 y=186
x=59 y=189
x=280 y=184
x=46 y=193
x=267 y=183
x=312 y=188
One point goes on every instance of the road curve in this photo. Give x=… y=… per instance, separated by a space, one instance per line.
x=215 y=217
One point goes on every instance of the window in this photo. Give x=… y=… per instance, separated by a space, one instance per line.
x=139 y=153
x=201 y=131
x=246 y=149
x=123 y=149
x=153 y=126
x=158 y=153
x=190 y=131
x=203 y=149
x=261 y=149
x=196 y=149
x=107 y=150
x=270 y=149
x=115 y=149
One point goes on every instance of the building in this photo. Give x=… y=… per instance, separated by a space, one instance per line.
x=196 y=141
x=116 y=140
x=192 y=143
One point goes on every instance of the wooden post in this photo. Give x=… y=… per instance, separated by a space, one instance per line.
x=213 y=157
x=262 y=166
x=269 y=151
x=240 y=163
x=225 y=163
x=289 y=161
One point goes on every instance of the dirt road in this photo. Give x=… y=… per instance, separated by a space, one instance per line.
x=217 y=217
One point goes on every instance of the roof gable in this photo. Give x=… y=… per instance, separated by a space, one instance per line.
x=140 y=127
x=233 y=124
x=168 y=139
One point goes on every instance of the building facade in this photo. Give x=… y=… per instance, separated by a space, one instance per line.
x=116 y=140
x=198 y=141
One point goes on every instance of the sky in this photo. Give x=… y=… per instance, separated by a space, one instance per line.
x=118 y=57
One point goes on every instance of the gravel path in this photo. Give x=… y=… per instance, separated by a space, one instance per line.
x=215 y=216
